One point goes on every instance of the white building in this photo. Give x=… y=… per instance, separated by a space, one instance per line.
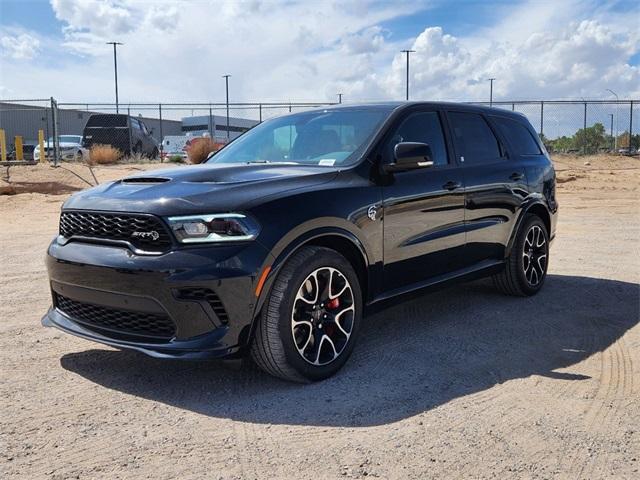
x=216 y=126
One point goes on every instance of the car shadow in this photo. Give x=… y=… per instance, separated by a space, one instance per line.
x=410 y=358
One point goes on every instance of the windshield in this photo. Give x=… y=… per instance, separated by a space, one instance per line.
x=67 y=138
x=324 y=138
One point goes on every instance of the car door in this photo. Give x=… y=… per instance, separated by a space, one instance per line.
x=495 y=186
x=423 y=208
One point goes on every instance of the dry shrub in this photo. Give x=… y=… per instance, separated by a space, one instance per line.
x=200 y=148
x=104 y=155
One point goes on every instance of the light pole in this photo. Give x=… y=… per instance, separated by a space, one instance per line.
x=615 y=141
x=611 y=132
x=491 y=91
x=115 y=68
x=226 y=82
x=339 y=97
x=407 y=52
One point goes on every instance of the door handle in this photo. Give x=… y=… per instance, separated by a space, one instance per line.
x=515 y=176
x=451 y=185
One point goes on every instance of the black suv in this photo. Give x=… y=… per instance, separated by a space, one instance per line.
x=128 y=134
x=278 y=242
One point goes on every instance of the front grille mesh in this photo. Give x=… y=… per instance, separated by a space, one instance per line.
x=140 y=324
x=200 y=294
x=144 y=232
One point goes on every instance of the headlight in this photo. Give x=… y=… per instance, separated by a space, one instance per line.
x=223 y=227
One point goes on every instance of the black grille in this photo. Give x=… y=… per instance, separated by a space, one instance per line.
x=199 y=294
x=144 y=232
x=140 y=324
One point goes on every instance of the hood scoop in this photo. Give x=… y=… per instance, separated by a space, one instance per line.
x=146 y=180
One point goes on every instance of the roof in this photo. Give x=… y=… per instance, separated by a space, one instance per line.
x=394 y=105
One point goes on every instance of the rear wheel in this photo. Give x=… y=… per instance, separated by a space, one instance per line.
x=526 y=268
x=310 y=321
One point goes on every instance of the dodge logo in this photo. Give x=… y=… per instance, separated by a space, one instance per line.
x=152 y=235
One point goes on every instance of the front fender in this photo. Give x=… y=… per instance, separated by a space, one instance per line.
x=300 y=236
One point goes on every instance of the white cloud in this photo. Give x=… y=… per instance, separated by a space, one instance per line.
x=101 y=17
x=307 y=50
x=579 y=60
x=21 y=46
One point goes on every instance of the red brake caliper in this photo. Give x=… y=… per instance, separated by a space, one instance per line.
x=332 y=305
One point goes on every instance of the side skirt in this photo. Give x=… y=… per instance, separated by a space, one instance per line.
x=479 y=270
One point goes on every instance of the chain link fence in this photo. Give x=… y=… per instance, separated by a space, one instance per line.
x=35 y=130
x=583 y=127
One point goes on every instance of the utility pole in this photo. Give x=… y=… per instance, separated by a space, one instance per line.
x=407 y=52
x=339 y=97
x=226 y=82
x=611 y=132
x=615 y=142
x=491 y=91
x=115 y=68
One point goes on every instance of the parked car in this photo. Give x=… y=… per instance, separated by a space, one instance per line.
x=627 y=151
x=71 y=148
x=174 y=146
x=276 y=245
x=128 y=134
x=27 y=153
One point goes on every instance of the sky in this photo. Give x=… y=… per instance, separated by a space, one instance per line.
x=178 y=50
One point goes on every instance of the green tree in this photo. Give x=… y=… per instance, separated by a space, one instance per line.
x=591 y=139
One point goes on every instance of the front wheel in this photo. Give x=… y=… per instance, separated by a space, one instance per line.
x=526 y=267
x=309 y=323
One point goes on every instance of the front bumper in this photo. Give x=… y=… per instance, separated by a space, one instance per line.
x=203 y=347
x=112 y=279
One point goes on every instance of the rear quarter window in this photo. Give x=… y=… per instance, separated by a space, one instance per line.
x=518 y=136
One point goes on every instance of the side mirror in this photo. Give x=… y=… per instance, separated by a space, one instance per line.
x=410 y=156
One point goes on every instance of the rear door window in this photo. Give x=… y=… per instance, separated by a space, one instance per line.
x=474 y=140
x=518 y=136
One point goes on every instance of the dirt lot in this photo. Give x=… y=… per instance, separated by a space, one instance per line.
x=459 y=383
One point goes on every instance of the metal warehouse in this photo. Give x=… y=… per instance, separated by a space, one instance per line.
x=216 y=126
x=26 y=120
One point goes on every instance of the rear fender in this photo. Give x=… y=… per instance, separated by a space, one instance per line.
x=536 y=203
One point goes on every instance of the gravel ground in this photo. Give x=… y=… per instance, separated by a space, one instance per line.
x=459 y=383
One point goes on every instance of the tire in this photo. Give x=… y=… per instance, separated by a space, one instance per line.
x=154 y=154
x=290 y=340
x=526 y=267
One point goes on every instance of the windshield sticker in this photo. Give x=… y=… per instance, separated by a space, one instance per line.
x=327 y=162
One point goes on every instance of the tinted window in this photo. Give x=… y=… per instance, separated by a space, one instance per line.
x=474 y=140
x=424 y=128
x=107 y=120
x=518 y=136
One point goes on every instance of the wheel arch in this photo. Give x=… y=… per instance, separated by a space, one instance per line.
x=536 y=208
x=338 y=239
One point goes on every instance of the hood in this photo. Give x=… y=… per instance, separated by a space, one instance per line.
x=199 y=188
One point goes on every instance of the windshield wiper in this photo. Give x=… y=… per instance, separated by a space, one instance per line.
x=251 y=162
